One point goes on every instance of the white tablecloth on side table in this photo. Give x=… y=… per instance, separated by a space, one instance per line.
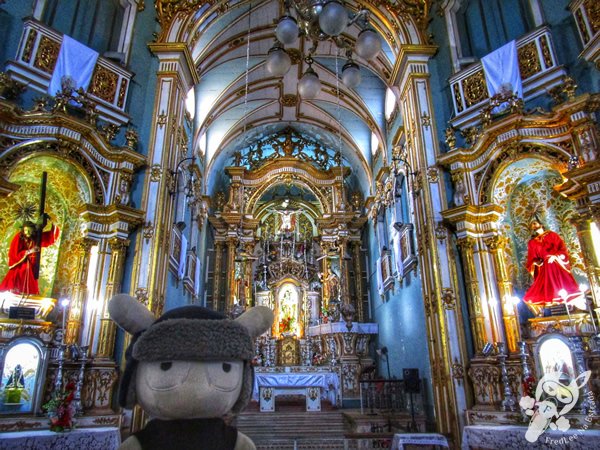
x=78 y=439
x=512 y=437
x=402 y=439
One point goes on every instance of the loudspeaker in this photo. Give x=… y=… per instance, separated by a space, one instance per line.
x=412 y=383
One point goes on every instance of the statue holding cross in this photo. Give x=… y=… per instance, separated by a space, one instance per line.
x=24 y=252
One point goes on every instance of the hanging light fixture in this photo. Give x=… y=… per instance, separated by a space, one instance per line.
x=321 y=20
x=278 y=61
x=309 y=85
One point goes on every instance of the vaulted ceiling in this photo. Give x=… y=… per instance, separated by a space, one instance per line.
x=229 y=42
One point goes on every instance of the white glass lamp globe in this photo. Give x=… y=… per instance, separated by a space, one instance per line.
x=287 y=30
x=351 y=75
x=368 y=44
x=333 y=19
x=278 y=62
x=309 y=85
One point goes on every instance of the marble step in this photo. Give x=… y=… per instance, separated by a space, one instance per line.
x=289 y=425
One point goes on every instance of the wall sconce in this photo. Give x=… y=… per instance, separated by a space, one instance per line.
x=399 y=159
x=173 y=182
x=188 y=190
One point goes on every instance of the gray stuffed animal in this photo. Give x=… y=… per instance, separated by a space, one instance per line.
x=188 y=369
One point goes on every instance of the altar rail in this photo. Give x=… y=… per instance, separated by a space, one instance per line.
x=377 y=396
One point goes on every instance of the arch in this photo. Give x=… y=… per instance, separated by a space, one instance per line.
x=94 y=183
x=68 y=190
x=506 y=155
x=525 y=187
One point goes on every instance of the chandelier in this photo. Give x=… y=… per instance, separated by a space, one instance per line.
x=321 y=20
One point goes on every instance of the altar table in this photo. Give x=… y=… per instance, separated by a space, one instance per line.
x=509 y=437
x=340 y=327
x=313 y=385
x=80 y=438
x=402 y=439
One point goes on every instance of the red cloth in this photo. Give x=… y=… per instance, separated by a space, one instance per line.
x=548 y=262
x=19 y=278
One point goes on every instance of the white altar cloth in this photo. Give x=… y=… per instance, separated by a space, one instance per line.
x=327 y=381
x=80 y=438
x=512 y=437
x=340 y=327
x=402 y=439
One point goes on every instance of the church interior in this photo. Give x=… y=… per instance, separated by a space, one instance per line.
x=411 y=187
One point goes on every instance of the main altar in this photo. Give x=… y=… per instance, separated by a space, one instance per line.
x=296 y=247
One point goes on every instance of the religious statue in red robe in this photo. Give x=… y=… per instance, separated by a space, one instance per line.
x=548 y=262
x=22 y=256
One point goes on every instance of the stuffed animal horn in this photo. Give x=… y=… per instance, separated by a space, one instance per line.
x=188 y=369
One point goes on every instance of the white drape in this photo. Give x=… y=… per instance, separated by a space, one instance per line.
x=75 y=61
x=501 y=69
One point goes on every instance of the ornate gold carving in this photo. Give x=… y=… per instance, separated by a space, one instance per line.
x=503 y=97
x=161 y=119
x=110 y=131
x=441 y=232
x=122 y=91
x=166 y=10
x=450 y=138
x=458 y=97
x=416 y=9
x=458 y=371
x=592 y=8
x=432 y=174
x=585 y=35
x=65 y=150
x=448 y=298
x=148 y=231
x=141 y=294
x=529 y=60
x=155 y=173
x=475 y=88
x=294 y=54
x=47 y=54
x=470 y=135
x=509 y=153
x=9 y=88
x=29 y=45
x=104 y=84
x=425 y=120
x=289 y=100
x=546 y=51
x=131 y=138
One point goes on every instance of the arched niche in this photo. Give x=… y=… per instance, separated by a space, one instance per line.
x=289 y=303
x=524 y=188
x=68 y=190
x=23 y=362
x=553 y=355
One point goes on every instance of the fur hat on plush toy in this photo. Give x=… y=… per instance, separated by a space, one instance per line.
x=188 y=333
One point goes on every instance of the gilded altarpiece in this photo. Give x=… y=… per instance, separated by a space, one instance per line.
x=284 y=241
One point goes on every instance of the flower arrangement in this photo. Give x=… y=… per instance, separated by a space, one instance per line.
x=528 y=386
x=318 y=359
x=61 y=410
x=286 y=324
x=324 y=315
x=258 y=360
